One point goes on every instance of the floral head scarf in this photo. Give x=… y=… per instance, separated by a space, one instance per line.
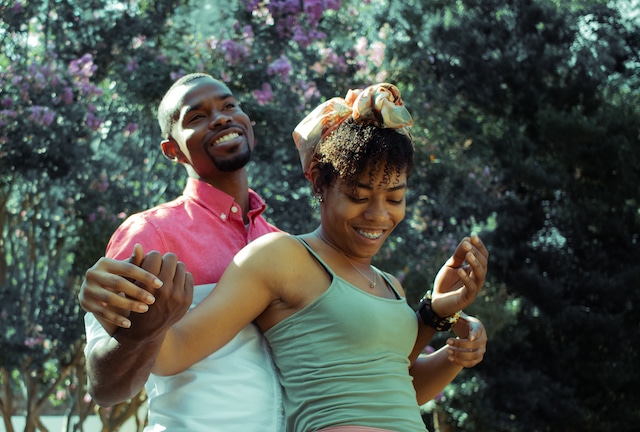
x=379 y=105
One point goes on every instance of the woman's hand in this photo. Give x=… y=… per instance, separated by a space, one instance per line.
x=112 y=289
x=461 y=278
x=468 y=349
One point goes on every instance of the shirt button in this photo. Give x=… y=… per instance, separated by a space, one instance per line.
x=223 y=216
x=234 y=209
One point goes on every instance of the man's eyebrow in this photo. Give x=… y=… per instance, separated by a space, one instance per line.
x=198 y=106
x=391 y=189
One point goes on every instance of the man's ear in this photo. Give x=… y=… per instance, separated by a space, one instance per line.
x=171 y=150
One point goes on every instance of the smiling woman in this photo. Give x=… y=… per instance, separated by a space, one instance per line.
x=332 y=320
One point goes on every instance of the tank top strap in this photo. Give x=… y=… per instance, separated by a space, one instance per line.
x=382 y=274
x=317 y=257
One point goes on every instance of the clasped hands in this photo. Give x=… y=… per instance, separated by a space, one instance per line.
x=112 y=289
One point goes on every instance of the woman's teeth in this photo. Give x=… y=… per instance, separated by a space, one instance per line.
x=370 y=235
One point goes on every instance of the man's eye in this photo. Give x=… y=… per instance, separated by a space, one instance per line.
x=196 y=117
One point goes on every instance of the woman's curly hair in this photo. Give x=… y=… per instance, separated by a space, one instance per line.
x=353 y=148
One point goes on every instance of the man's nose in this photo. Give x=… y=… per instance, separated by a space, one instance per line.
x=219 y=119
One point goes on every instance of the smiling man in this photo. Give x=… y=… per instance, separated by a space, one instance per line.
x=204 y=129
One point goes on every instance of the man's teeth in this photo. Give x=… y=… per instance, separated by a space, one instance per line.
x=370 y=235
x=227 y=138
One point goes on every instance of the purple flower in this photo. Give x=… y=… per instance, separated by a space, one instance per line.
x=130 y=128
x=284 y=7
x=265 y=95
x=281 y=67
x=33 y=341
x=83 y=67
x=132 y=65
x=313 y=9
x=93 y=122
x=41 y=115
x=234 y=52
x=47 y=117
x=175 y=75
x=67 y=95
x=335 y=4
x=376 y=53
x=251 y=5
x=17 y=7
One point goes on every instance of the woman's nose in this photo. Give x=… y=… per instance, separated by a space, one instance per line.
x=376 y=211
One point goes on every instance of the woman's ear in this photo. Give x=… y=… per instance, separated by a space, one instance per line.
x=312 y=175
x=171 y=150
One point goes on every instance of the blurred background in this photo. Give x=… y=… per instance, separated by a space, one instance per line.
x=527 y=127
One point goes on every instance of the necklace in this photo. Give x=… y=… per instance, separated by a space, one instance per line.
x=372 y=283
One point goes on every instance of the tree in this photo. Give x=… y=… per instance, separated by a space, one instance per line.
x=541 y=91
x=54 y=127
x=526 y=127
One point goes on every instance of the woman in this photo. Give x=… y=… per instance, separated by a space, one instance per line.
x=342 y=336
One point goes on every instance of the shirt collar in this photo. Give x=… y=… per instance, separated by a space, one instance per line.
x=221 y=203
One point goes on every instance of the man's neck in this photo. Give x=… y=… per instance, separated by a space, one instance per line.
x=235 y=184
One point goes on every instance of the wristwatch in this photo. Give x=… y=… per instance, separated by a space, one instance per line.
x=430 y=318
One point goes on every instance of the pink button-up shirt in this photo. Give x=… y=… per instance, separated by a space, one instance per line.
x=236 y=387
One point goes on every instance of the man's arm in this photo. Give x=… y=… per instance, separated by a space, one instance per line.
x=118 y=366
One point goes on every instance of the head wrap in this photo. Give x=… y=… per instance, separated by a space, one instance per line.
x=378 y=105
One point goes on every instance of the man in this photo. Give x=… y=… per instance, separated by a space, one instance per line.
x=204 y=129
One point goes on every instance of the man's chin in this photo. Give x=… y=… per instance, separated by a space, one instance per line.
x=233 y=163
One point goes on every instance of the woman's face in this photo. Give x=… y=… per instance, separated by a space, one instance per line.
x=359 y=220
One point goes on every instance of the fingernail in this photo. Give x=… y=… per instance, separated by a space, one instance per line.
x=125 y=323
x=157 y=282
x=143 y=307
x=150 y=299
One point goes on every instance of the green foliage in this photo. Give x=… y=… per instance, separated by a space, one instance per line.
x=527 y=131
x=544 y=108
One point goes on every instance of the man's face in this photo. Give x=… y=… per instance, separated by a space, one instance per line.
x=213 y=135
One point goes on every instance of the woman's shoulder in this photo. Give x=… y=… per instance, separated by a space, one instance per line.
x=275 y=244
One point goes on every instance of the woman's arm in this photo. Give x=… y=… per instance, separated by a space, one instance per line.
x=433 y=372
x=455 y=286
x=246 y=289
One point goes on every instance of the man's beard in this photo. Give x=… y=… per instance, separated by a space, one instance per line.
x=234 y=163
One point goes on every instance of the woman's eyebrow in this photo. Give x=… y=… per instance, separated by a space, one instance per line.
x=391 y=189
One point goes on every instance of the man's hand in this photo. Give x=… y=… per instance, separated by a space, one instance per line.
x=172 y=300
x=119 y=366
x=112 y=289
x=468 y=349
x=461 y=278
